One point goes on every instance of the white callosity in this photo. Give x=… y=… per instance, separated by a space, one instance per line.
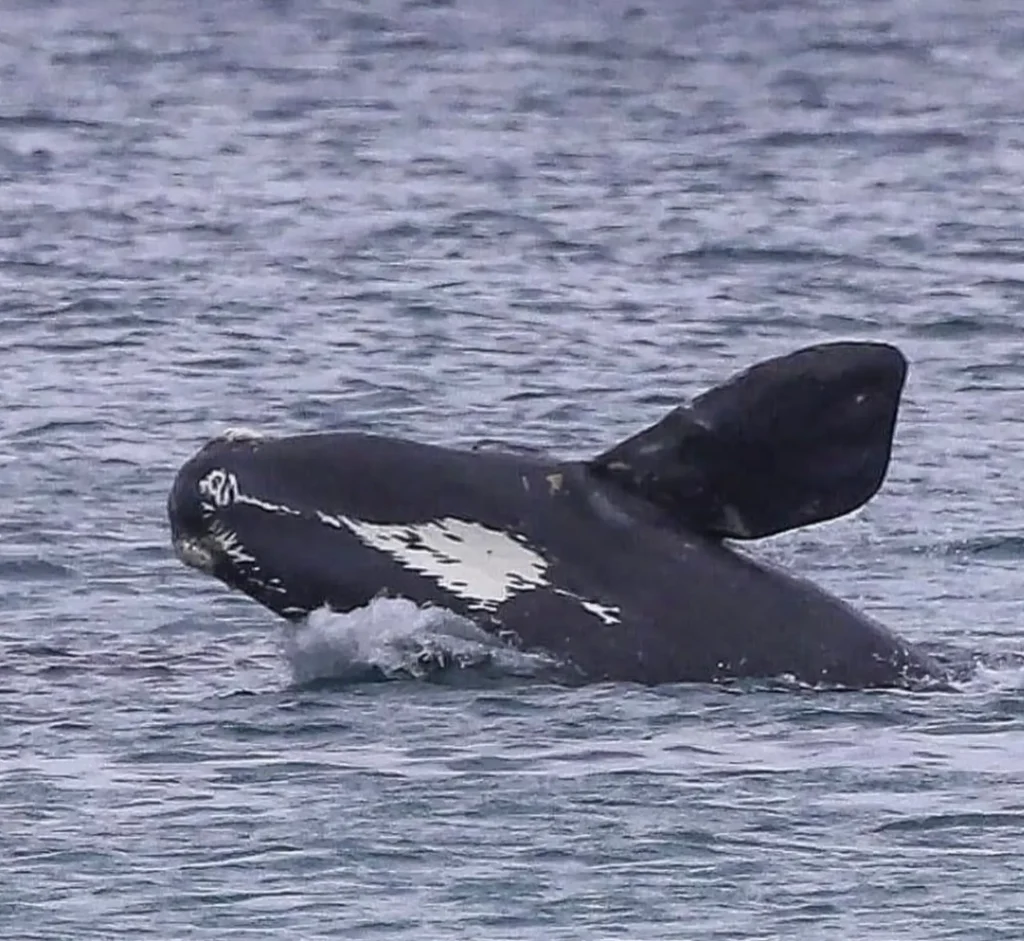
x=219 y=487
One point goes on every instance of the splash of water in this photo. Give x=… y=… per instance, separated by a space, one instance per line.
x=393 y=638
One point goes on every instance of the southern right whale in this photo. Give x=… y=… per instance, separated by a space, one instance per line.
x=618 y=565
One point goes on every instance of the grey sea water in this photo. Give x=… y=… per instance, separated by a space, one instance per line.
x=538 y=222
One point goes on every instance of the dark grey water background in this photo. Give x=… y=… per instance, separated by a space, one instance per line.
x=538 y=221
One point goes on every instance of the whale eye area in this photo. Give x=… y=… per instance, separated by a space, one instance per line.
x=218 y=487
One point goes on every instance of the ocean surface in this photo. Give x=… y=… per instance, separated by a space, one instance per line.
x=543 y=223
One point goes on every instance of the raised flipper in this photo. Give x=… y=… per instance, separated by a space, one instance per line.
x=791 y=441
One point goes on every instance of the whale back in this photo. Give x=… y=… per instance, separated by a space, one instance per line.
x=795 y=440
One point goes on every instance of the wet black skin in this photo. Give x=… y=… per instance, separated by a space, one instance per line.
x=690 y=607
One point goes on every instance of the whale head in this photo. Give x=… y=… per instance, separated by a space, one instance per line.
x=337 y=518
x=203 y=493
x=226 y=509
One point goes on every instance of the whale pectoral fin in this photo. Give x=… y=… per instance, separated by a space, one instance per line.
x=791 y=441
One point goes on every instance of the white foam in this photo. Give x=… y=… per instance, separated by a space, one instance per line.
x=998 y=679
x=394 y=637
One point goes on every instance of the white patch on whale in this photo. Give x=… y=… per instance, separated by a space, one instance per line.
x=221 y=487
x=265 y=505
x=465 y=558
x=477 y=563
x=228 y=542
x=608 y=613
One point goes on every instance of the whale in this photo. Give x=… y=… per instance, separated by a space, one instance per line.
x=631 y=565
